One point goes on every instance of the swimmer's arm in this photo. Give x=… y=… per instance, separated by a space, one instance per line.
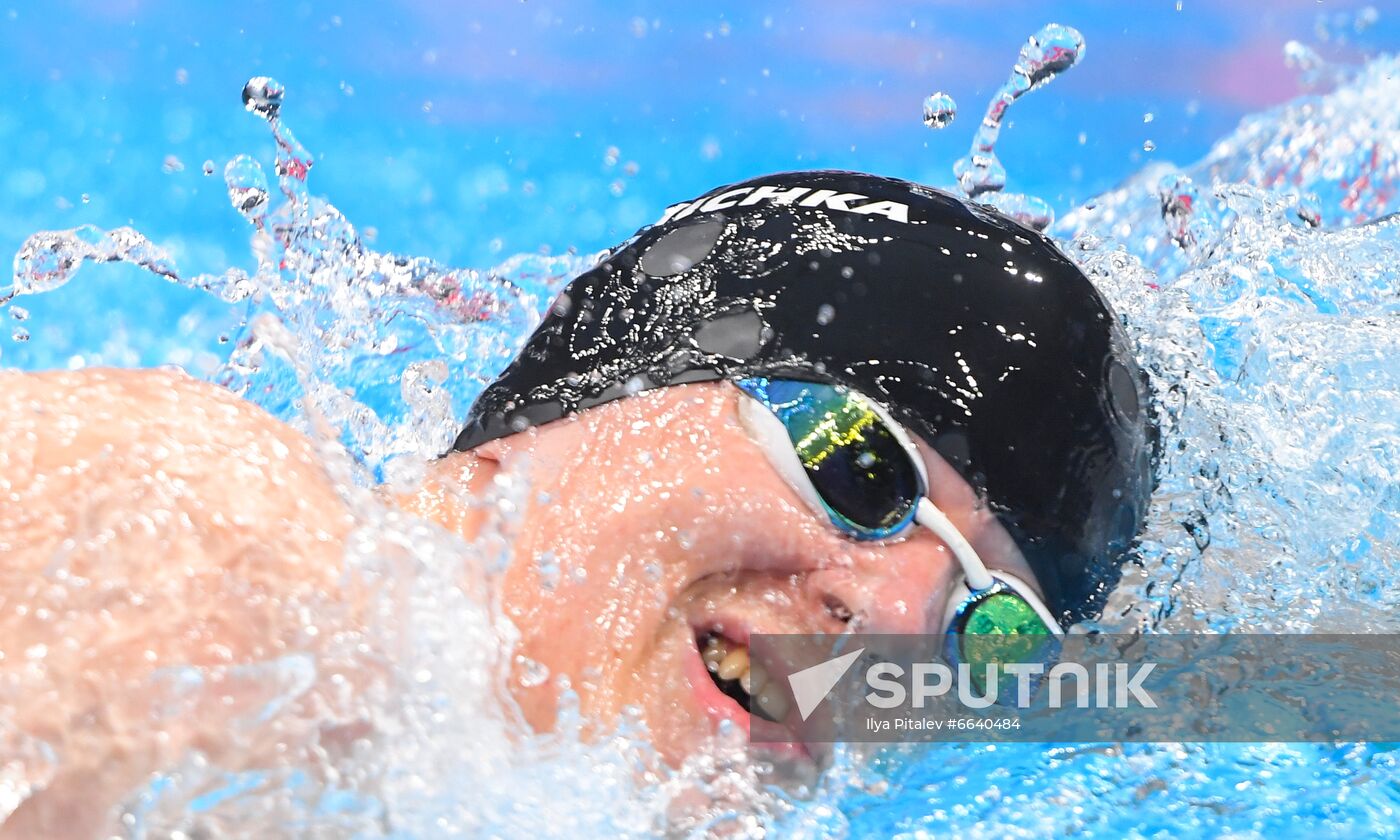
x=147 y=521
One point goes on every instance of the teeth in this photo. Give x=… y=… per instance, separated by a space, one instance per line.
x=773 y=702
x=729 y=661
x=754 y=679
x=714 y=653
x=734 y=665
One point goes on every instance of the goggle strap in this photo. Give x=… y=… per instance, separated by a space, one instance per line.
x=974 y=570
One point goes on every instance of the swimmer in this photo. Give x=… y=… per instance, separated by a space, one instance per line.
x=817 y=402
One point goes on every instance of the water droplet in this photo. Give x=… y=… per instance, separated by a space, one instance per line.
x=263 y=96
x=547 y=565
x=1029 y=210
x=939 y=110
x=1049 y=52
x=1178 y=197
x=1311 y=68
x=247 y=187
x=1149 y=146
x=1309 y=210
x=532 y=673
x=208 y=167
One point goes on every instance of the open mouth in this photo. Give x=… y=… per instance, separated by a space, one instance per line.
x=740 y=678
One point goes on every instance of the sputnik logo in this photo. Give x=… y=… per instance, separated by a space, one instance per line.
x=811 y=685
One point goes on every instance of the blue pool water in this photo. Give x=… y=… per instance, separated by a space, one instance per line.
x=516 y=139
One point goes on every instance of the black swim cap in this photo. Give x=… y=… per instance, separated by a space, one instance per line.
x=975 y=331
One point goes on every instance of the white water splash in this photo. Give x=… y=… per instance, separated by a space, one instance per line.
x=1049 y=52
x=350 y=310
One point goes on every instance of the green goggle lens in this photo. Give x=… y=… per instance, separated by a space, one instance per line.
x=997 y=627
x=858 y=467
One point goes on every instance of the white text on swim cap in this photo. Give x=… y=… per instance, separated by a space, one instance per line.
x=799 y=196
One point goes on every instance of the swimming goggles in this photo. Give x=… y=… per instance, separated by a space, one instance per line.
x=854 y=465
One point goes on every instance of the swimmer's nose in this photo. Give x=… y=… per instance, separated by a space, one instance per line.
x=902 y=597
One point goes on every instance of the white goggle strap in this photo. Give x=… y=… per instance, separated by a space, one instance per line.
x=929 y=516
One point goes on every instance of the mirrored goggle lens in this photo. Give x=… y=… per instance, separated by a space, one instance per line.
x=864 y=476
x=996 y=627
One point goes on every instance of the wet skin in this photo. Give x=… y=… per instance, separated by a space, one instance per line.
x=649 y=523
x=664 y=522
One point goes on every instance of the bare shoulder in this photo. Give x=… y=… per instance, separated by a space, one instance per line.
x=148 y=521
x=124 y=455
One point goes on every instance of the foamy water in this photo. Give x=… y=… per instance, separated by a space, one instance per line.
x=1264 y=302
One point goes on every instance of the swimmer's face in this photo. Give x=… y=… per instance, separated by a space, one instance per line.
x=654 y=527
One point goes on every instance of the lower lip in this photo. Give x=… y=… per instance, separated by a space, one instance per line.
x=720 y=707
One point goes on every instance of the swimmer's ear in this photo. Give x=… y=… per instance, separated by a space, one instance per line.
x=494 y=451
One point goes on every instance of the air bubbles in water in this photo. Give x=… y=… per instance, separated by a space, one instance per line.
x=247 y=187
x=939 y=110
x=209 y=167
x=263 y=96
